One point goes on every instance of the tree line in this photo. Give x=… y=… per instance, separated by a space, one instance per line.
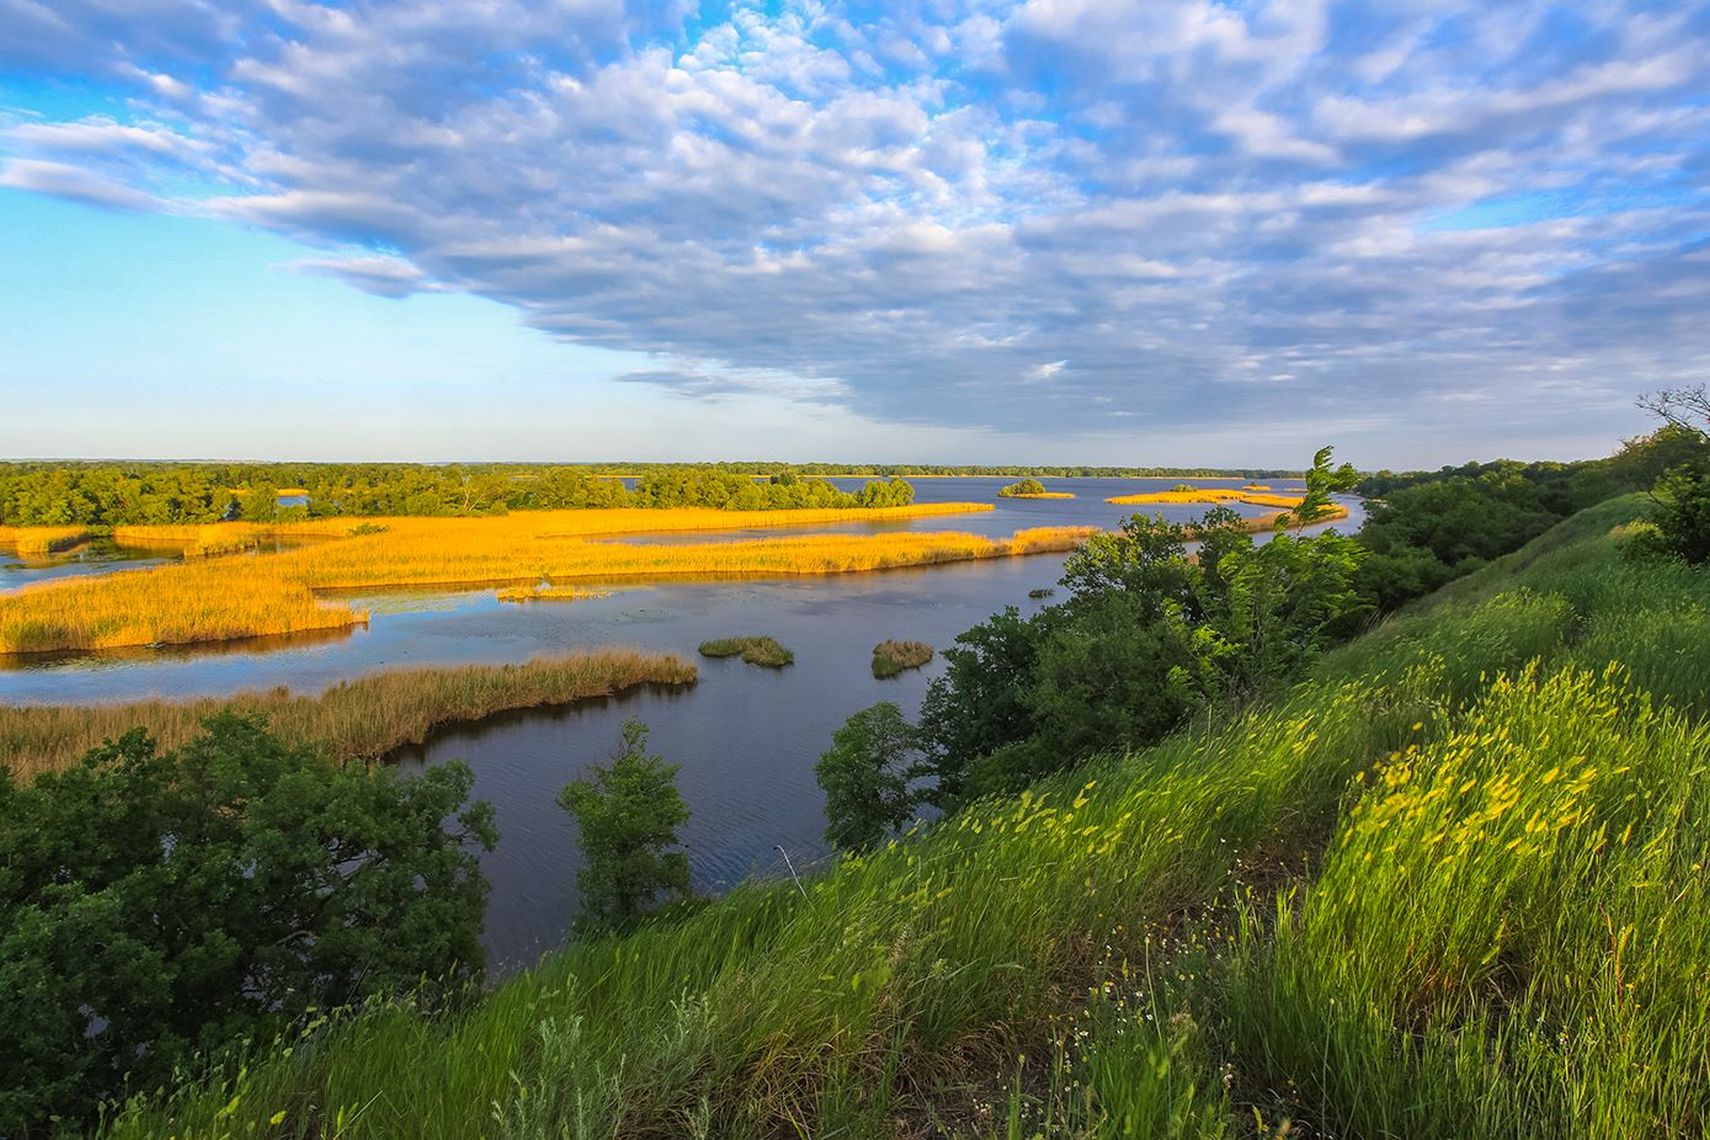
x=116 y=494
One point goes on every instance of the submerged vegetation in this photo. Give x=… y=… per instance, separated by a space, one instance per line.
x=1449 y=883
x=219 y=599
x=547 y=592
x=890 y=658
x=362 y=719
x=764 y=651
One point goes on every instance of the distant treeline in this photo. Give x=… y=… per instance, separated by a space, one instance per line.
x=113 y=494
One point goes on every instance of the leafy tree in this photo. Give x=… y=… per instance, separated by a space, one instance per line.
x=1148 y=634
x=156 y=907
x=866 y=775
x=979 y=704
x=627 y=814
x=1322 y=481
x=1681 y=496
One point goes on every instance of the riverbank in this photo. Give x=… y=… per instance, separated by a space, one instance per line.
x=364 y=719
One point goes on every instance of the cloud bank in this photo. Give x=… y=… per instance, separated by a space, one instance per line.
x=1057 y=216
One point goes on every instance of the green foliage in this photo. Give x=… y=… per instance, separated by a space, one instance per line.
x=866 y=776
x=765 y=651
x=157 y=907
x=1322 y=481
x=1147 y=636
x=1024 y=487
x=627 y=814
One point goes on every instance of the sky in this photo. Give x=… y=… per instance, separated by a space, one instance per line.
x=1171 y=232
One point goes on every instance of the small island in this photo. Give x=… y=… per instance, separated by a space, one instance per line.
x=763 y=651
x=1031 y=489
x=890 y=658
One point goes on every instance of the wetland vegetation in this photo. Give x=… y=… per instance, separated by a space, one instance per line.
x=764 y=651
x=358 y=720
x=890 y=658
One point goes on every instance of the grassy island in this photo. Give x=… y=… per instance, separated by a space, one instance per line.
x=294 y=589
x=354 y=720
x=1032 y=489
x=764 y=651
x=890 y=658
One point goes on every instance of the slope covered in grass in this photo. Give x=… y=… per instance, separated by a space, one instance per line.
x=1450 y=885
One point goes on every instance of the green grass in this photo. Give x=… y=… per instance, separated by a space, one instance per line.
x=1451 y=885
x=890 y=658
x=754 y=650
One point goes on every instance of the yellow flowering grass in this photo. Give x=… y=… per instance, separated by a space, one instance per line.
x=224 y=598
x=355 y=720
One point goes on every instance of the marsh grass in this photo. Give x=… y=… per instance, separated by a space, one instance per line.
x=40 y=541
x=1450 y=885
x=890 y=658
x=763 y=651
x=282 y=592
x=362 y=719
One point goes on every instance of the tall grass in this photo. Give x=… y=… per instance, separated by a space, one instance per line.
x=39 y=541
x=354 y=720
x=1452 y=885
x=218 y=599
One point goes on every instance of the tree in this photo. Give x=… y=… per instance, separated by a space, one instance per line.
x=866 y=775
x=1681 y=497
x=627 y=814
x=154 y=908
x=1322 y=481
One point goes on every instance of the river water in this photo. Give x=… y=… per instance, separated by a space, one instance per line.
x=746 y=738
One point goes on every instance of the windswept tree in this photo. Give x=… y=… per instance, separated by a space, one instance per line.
x=627 y=814
x=867 y=776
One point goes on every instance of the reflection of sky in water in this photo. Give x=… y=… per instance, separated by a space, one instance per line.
x=746 y=738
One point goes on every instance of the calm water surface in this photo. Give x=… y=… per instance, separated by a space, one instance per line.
x=746 y=738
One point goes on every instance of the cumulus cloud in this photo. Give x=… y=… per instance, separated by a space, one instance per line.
x=1222 y=215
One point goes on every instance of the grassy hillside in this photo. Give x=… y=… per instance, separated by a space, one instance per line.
x=1452 y=885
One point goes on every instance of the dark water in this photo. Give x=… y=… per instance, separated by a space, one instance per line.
x=746 y=738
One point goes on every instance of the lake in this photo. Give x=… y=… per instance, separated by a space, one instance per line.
x=746 y=738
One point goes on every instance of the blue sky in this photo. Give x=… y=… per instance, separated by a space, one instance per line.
x=1174 y=231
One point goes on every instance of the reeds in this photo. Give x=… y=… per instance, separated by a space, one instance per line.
x=763 y=651
x=40 y=541
x=218 y=599
x=890 y=658
x=1250 y=496
x=354 y=720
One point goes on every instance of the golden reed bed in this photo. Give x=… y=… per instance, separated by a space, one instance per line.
x=38 y=541
x=1252 y=496
x=218 y=599
x=357 y=720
